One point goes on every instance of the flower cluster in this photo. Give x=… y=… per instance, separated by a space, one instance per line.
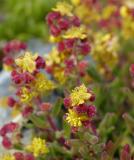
x=9 y=134
x=37 y=147
x=32 y=151
x=17 y=156
x=10 y=50
x=30 y=81
x=80 y=112
x=105 y=51
x=72 y=44
x=7 y=157
x=127 y=15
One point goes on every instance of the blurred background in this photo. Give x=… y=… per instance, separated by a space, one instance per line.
x=24 y=20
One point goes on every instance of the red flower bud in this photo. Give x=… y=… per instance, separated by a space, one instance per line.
x=69 y=43
x=27 y=111
x=63 y=24
x=55 y=31
x=45 y=106
x=14 y=46
x=11 y=101
x=19 y=156
x=91 y=111
x=16 y=77
x=11 y=127
x=67 y=102
x=85 y=48
x=29 y=157
x=125 y=154
x=8 y=60
x=6 y=142
x=40 y=62
x=27 y=77
x=61 y=46
x=53 y=16
x=131 y=69
x=75 y=21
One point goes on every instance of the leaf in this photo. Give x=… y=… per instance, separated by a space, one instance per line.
x=37 y=121
x=107 y=123
x=94 y=74
x=129 y=122
x=57 y=107
x=90 y=138
x=67 y=129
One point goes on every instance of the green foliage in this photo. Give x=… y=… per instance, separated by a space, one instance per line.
x=25 y=19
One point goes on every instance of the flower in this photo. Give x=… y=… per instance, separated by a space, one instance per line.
x=82 y=11
x=40 y=62
x=8 y=128
x=19 y=156
x=76 y=32
x=7 y=157
x=52 y=16
x=26 y=95
x=104 y=51
x=131 y=69
x=14 y=46
x=74 y=119
x=27 y=62
x=53 y=57
x=79 y=95
x=22 y=156
x=108 y=11
x=64 y=8
x=37 y=147
x=11 y=101
x=43 y=84
x=59 y=75
x=67 y=102
x=75 y=2
x=6 y=142
x=124 y=11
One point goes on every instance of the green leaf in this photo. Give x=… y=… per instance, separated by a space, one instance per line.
x=94 y=74
x=107 y=124
x=129 y=122
x=67 y=129
x=57 y=107
x=90 y=138
x=37 y=121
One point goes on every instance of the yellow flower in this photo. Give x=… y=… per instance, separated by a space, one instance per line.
x=75 y=2
x=104 y=51
x=53 y=39
x=26 y=96
x=27 y=62
x=124 y=11
x=76 y=32
x=7 y=157
x=108 y=11
x=7 y=68
x=43 y=84
x=79 y=95
x=60 y=76
x=74 y=119
x=15 y=112
x=37 y=147
x=82 y=11
x=53 y=57
x=64 y=8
